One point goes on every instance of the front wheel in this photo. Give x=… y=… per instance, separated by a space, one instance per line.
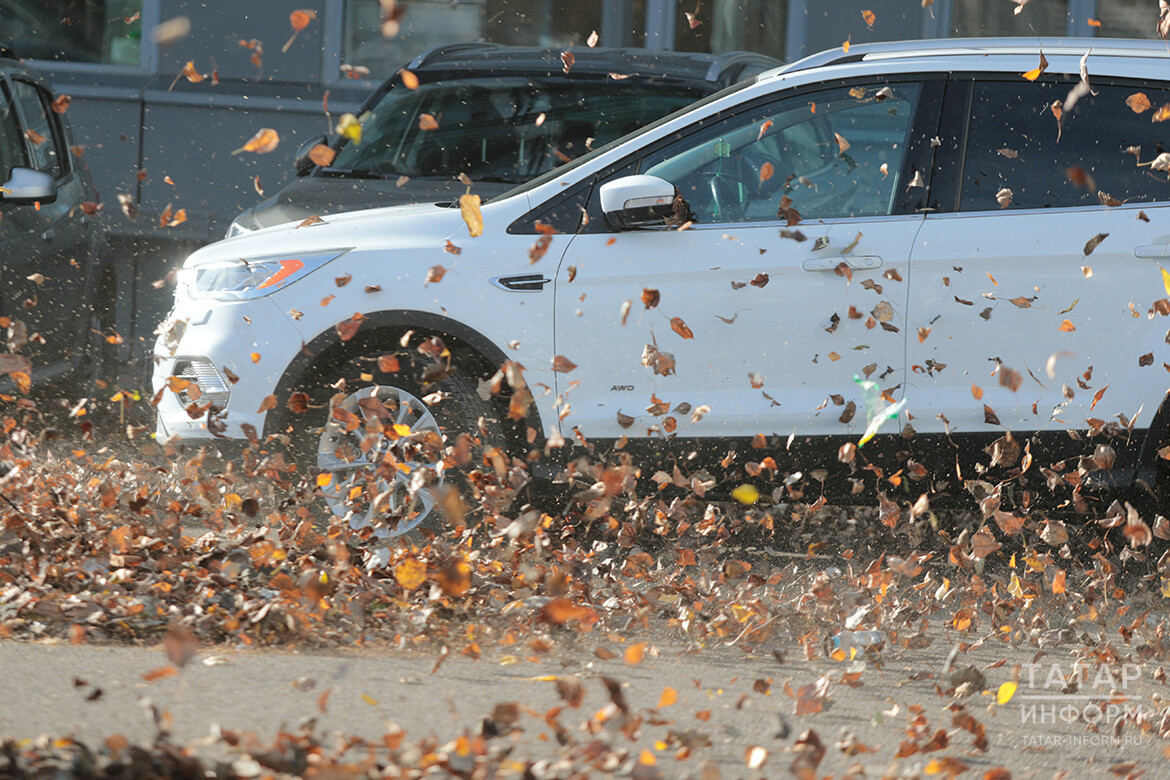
x=386 y=449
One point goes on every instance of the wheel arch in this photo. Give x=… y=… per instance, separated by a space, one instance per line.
x=468 y=347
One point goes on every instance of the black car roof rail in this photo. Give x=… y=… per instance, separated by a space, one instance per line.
x=432 y=54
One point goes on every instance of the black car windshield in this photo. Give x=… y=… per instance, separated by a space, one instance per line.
x=501 y=129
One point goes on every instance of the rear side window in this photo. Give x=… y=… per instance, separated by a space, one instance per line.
x=42 y=133
x=1099 y=152
x=11 y=144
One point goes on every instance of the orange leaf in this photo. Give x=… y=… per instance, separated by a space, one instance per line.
x=669 y=696
x=191 y=74
x=1162 y=114
x=635 y=653
x=299 y=20
x=976 y=391
x=1058 y=581
x=680 y=327
x=766 y=171
x=265 y=140
x=322 y=155
x=409 y=80
x=870 y=17
x=268 y=403
x=160 y=673
x=1067 y=326
x=61 y=104
x=427 y=122
x=1138 y=102
x=255 y=357
x=388 y=364
x=410 y=573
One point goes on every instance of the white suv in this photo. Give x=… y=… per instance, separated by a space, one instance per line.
x=973 y=226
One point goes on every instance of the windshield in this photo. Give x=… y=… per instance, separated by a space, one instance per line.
x=501 y=129
x=548 y=176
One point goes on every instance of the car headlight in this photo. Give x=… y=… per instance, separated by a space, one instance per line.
x=243 y=279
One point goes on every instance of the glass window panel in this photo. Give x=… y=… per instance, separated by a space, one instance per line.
x=11 y=143
x=41 y=131
x=101 y=31
x=1127 y=18
x=418 y=25
x=836 y=153
x=1014 y=142
x=493 y=130
x=971 y=18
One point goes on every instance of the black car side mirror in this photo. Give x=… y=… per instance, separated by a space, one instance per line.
x=302 y=165
x=26 y=185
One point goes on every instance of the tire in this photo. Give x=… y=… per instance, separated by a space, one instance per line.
x=391 y=482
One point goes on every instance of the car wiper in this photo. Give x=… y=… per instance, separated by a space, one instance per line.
x=499 y=179
x=360 y=173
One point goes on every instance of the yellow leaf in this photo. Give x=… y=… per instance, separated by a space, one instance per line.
x=469 y=206
x=647 y=758
x=324 y=478
x=1032 y=75
x=635 y=653
x=933 y=768
x=370 y=700
x=349 y=127
x=1165 y=279
x=1006 y=692
x=746 y=494
x=1166 y=587
x=402 y=430
x=669 y=696
x=1015 y=588
x=410 y=573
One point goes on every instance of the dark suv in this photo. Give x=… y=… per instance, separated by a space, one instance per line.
x=52 y=243
x=499 y=114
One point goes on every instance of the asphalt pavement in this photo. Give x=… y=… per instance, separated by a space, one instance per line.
x=735 y=699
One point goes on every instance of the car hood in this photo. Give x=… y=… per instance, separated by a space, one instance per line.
x=323 y=195
x=390 y=227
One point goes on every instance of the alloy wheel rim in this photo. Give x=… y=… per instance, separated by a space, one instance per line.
x=389 y=483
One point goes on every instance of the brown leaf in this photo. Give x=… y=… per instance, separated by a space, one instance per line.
x=1009 y=378
x=650 y=297
x=346 y=329
x=1138 y=102
x=1094 y=242
x=680 y=327
x=159 y=673
x=322 y=155
x=989 y=416
x=264 y=141
x=435 y=274
x=811 y=698
x=427 y=122
x=563 y=365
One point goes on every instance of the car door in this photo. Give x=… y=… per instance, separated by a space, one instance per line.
x=45 y=286
x=1038 y=301
x=786 y=280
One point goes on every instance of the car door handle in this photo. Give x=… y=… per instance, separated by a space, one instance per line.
x=1152 y=251
x=861 y=263
x=521 y=282
x=49 y=234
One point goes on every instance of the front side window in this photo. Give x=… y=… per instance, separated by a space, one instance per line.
x=41 y=133
x=1098 y=152
x=505 y=129
x=833 y=153
x=11 y=142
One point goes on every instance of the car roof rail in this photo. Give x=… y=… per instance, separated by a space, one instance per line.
x=1003 y=45
x=434 y=53
x=724 y=61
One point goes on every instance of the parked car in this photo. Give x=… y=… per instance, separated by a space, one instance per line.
x=56 y=294
x=502 y=115
x=983 y=247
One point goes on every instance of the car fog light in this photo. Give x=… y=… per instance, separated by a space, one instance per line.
x=203 y=375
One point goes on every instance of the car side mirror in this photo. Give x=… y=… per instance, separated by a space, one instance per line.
x=302 y=165
x=633 y=202
x=26 y=185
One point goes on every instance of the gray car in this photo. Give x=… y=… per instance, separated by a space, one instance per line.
x=56 y=284
x=501 y=115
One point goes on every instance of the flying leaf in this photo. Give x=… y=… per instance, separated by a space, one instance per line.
x=680 y=327
x=427 y=122
x=869 y=17
x=669 y=697
x=299 y=20
x=1034 y=74
x=1067 y=326
x=410 y=573
x=1004 y=197
x=635 y=653
x=469 y=207
x=349 y=127
x=1165 y=279
x=265 y=140
x=61 y=104
x=409 y=80
x=1094 y=242
x=650 y=297
x=1162 y=114
x=766 y=171
x=842 y=144
x=562 y=364
x=322 y=155
x=1098 y=396
x=567 y=60
x=1138 y=102
x=592 y=40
